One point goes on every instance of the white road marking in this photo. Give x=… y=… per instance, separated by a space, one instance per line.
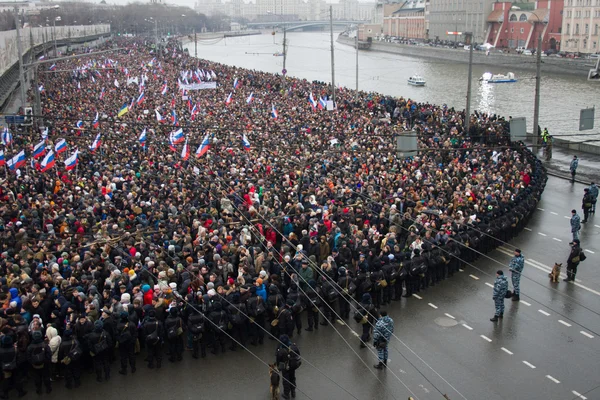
x=485 y=338
x=584 y=333
x=597 y=226
x=527 y=229
x=542 y=234
x=433 y=306
x=526 y=303
x=567 y=217
x=489 y=284
x=541 y=267
x=530 y=365
x=589 y=251
x=557 y=239
x=474 y=277
x=553 y=379
x=339 y=321
x=541 y=209
x=354 y=333
x=544 y=312
x=449 y=316
x=579 y=395
x=461 y=270
x=553 y=213
x=564 y=323
x=467 y=326
x=417 y=296
x=507 y=351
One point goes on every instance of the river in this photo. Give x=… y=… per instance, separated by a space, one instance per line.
x=562 y=96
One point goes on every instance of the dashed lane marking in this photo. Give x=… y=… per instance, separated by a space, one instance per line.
x=461 y=270
x=597 y=226
x=576 y=393
x=553 y=379
x=485 y=338
x=527 y=229
x=417 y=296
x=567 y=217
x=507 y=351
x=433 y=305
x=449 y=316
x=541 y=209
x=553 y=213
x=474 y=277
x=530 y=365
x=489 y=284
x=467 y=326
x=584 y=333
x=544 y=312
x=542 y=234
x=589 y=251
x=557 y=239
x=564 y=323
x=524 y=302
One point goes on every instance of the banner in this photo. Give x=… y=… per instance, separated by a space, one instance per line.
x=198 y=86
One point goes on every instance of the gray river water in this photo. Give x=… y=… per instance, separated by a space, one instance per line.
x=562 y=96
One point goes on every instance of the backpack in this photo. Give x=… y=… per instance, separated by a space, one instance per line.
x=582 y=256
x=75 y=353
x=196 y=325
x=101 y=345
x=152 y=338
x=260 y=306
x=174 y=331
x=295 y=361
x=10 y=365
x=332 y=294
x=222 y=325
x=283 y=359
x=38 y=356
x=125 y=335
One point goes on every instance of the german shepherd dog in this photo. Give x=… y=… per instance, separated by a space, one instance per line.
x=275 y=378
x=555 y=274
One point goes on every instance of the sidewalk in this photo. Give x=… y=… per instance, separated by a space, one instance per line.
x=588 y=170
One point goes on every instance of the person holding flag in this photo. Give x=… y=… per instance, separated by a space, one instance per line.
x=229 y=99
x=96 y=123
x=250 y=98
x=48 y=161
x=96 y=143
x=185 y=152
x=123 y=110
x=142 y=138
x=245 y=142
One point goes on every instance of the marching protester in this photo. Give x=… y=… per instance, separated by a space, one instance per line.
x=140 y=222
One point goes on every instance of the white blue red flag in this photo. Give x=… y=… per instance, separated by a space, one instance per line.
x=245 y=142
x=71 y=162
x=96 y=143
x=274 y=112
x=312 y=101
x=17 y=161
x=250 y=98
x=204 y=146
x=140 y=99
x=96 y=123
x=229 y=99
x=185 y=153
x=159 y=117
x=142 y=138
x=60 y=146
x=48 y=161
x=39 y=149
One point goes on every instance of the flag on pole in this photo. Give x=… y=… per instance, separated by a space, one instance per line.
x=45 y=134
x=229 y=99
x=39 y=149
x=102 y=94
x=322 y=103
x=194 y=111
x=245 y=142
x=204 y=146
x=250 y=98
x=7 y=137
x=174 y=117
x=236 y=83
x=48 y=161
x=142 y=138
x=17 y=161
x=60 y=146
x=177 y=136
x=164 y=89
x=79 y=124
x=140 y=99
x=116 y=83
x=52 y=67
x=2 y=159
x=96 y=143
x=96 y=123
x=274 y=112
x=71 y=162
x=123 y=110
x=312 y=101
x=185 y=153
x=159 y=117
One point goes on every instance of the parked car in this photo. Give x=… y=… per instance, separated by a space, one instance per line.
x=594 y=56
x=527 y=53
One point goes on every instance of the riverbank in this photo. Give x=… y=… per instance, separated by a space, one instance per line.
x=555 y=65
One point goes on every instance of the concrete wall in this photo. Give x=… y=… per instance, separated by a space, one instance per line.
x=579 y=67
x=8 y=39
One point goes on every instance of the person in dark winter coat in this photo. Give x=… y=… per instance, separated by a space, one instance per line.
x=100 y=344
x=365 y=315
x=257 y=310
x=288 y=360
x=126 y=334
x=12 y=374
x=70 y=347
x=39 y=357
x=152 y=331
x=218 y=325
x=500 y=289
x=174 y=333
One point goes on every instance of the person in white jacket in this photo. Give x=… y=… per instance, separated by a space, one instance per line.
x=54 y=342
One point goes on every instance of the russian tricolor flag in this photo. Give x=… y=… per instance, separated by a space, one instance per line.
x=52 y=67
x=142 y=138
x=164 y=89
x=185 y=153
x=79 y=125
x=96 y=144
x=159 y=117
x=250 y=98
x=194 y=111
x=174 y=117
x=71 y=162
x=39 y=149
x=102 y=94
x=2 y=159
x=17 y=161
x=48 y=161
x=96 y=123
x=140 y=99
x=60 y=146
x=7 y=137
x=322 y=103
x=236 y=83
x=313 y=102
x=274 y=112
x=229 y=99
x=245 y=142
x=204 y=146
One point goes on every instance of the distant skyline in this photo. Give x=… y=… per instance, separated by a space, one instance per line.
x=192 y=3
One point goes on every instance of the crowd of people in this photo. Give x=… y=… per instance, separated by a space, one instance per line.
x=265 y=215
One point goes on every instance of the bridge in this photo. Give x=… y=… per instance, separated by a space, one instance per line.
x=300 y=25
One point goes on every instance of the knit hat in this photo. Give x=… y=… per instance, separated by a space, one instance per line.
x=259 y=281
x=210 y=285
x=37 y=335
x=124 y=315
x=145 y=288
x=98 y=325
x=366 y=298
x=285 y=339
x=499 y=272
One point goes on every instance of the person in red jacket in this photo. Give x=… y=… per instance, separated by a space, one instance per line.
x=148 y=293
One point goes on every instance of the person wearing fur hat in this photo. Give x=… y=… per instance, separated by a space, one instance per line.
x=39 y=357
x=100 y=344
x=126 y=335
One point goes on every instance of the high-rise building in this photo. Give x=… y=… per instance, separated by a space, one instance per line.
x=457 y=16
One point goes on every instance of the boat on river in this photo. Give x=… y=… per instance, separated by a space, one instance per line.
x=498 y=78
x=416 y=80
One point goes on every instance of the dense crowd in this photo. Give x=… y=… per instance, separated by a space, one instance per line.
x=293 y=217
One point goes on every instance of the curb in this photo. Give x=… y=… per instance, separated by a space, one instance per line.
x=565 y=177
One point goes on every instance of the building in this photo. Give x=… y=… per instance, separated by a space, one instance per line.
x=368 y=31
x=457 y=16
x=512 y=25
x=581 y=26
x=405 y=20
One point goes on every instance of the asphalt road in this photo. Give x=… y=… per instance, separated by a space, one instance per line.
x=546 y=347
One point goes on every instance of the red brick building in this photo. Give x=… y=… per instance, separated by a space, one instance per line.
x=512 y=25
